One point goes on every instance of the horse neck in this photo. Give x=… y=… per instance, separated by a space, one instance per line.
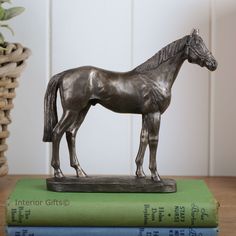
x=165 y=65
x=163 y=55
x=165 y=74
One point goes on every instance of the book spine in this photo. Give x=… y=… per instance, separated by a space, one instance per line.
x=70 y=213
x=106 y=231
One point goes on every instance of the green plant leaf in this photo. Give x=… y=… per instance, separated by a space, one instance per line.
x=1 y=39
x=8 y=27
x=12 y=12
x=2 y=13
x=3 y=1
x=6 y=14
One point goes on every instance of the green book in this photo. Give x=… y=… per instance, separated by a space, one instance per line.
x=191 y=206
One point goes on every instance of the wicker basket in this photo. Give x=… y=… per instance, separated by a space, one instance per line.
x=12 y=63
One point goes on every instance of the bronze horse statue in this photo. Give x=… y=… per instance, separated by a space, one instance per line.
x=144 y=90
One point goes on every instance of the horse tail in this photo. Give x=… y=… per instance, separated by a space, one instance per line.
x=50 y=108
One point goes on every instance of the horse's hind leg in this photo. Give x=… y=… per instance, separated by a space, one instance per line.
x=65 y=122
x=142 y=148
x=70 y=137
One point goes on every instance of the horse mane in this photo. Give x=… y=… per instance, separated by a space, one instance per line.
x=163 y=55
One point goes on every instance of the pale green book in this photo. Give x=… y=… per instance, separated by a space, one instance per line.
x=193 y=205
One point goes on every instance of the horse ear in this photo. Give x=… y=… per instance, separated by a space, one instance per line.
x=195 y=32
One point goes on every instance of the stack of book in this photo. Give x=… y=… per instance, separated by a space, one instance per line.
x=34 y=211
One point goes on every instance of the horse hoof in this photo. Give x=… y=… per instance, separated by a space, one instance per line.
x=80 y=173
x=157 y=179
x=58 y=174
x=140 y=175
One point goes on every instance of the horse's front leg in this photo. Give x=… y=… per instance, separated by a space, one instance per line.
x=153 y=124
x=142 y=147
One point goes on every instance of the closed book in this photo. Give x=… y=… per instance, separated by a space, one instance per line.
x=191 y=206
x=108 y=231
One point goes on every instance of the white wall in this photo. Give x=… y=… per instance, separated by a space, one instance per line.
x=224 y=87
x=27 y=154
x=197 y=131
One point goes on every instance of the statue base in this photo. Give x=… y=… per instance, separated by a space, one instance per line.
x=120 y=184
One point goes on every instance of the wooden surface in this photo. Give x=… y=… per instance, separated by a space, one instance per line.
x=223 y=188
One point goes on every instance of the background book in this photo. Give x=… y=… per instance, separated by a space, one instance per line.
x=107 y=231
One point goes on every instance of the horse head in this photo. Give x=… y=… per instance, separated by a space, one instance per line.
x=197 y=52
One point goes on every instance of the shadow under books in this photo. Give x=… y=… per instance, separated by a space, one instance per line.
x=145 y=90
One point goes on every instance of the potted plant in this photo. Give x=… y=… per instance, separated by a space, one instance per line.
x=12 y=63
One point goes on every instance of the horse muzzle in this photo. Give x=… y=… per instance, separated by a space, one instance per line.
x=211 y=63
